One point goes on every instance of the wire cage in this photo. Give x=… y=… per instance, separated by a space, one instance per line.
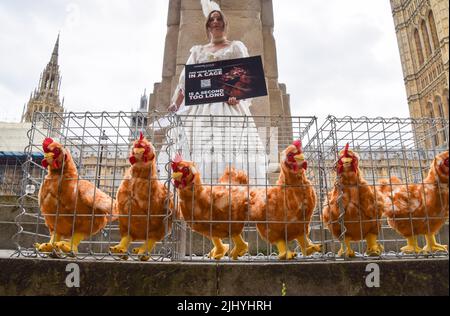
x=395 y=158
x=230 y=187
x=216 y=219
x=99 y=145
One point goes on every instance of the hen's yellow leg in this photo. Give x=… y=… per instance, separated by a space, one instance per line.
x=122 y=247
x=220 y=249
x=315 y=247
x=307 y=246
x=373 y=247
x=48 y=246
x=411 y=246
x=71 y=245
x=284 y=252
x=432 y=245
x=240 y=247
x=348 y=252
x=145 y=248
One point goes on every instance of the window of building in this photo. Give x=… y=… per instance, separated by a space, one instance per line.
x=430 y=111
x=426 y=38
x=418 y=47
x=440 y=107
x=445 y=93
x=431 y=114
x=434 y=35
x=441 y=115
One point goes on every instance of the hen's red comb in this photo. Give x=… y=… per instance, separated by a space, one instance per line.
x=298 y=144
x=139 y=143
x=176 y=161
x=178 y=158
x=47 y=143
x=346 y=149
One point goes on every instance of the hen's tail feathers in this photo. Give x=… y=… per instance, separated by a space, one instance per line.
x=233 y=176
x=387 y=185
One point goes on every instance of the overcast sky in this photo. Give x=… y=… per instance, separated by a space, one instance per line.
x=336 y=57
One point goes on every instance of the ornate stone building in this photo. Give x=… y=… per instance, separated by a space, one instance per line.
x=250 y=21
x=105 y=165
x=422 y=28
x=46 y=97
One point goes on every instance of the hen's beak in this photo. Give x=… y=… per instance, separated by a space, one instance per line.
x=177 y=175
x=347 y=161
x=138 y=151
x=300 y=157
x=49 y=155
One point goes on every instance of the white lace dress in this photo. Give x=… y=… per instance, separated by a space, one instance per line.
x=218 y=135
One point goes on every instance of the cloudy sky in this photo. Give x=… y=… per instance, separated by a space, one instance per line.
x=336 y=57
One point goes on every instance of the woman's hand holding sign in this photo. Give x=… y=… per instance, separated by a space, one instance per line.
x=176 y=105
x=233 y=101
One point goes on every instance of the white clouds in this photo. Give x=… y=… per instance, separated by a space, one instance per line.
x=109 y=50
x=12 y=105
x=336 y=56
x=343 y=58
x=117 y=52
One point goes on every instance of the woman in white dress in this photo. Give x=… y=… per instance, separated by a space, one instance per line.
x=218 y=135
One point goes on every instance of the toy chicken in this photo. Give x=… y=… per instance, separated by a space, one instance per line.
x=216 y=212
x=419 y=209
x=73 y=208
x=361 y=205
x=283 y=212
x=143 y=202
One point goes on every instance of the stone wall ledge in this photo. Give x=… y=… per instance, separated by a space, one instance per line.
x=27 y=276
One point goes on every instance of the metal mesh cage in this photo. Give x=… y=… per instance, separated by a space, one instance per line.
x=251 y=145
x=274 y=207
x=398 y=153
x=100 y=145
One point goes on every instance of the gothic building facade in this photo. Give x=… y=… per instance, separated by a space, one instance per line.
x=422 y=28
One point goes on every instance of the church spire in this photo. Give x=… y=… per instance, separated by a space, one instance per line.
x=143 y=106
x=46 y=97
x=139 y=119
x=54 y=59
